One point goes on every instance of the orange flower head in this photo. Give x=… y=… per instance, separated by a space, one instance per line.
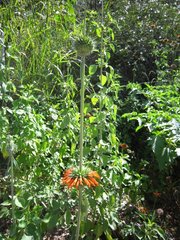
x=123 y=146
x=72 y=177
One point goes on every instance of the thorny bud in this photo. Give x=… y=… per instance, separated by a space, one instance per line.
x=84 y=45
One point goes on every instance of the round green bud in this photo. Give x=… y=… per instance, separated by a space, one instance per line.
x=84 y=46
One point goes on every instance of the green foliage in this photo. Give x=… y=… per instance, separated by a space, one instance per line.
x=138 y=26
x=159 y=115
x=144 y=228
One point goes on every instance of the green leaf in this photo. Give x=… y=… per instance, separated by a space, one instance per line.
x=53 y=221
x=6 y=203
x=73 y=148
x=92 y=69
x=92 y=119
x=19 y=202
x=26 y=237
x=108 y=235
x=94 y=100
x=103 y=79
x=98 y=32
x=161 y=152
x=68 y=217
x=113 y=139
x=46 y=218
x=22 y=224
x=98 y=230
x=20 y=111
x=160 y=233
x=4 y=212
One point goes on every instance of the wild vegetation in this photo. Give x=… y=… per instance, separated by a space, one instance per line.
x=89 y=120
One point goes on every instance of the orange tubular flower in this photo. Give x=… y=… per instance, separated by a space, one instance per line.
x=70 y=183
x=86 y=181
x=72 y=178
x=93 y=181
x=94 y=174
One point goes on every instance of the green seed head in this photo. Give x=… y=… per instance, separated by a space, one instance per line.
x=84 y=46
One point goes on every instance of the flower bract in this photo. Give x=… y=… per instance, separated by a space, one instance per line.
x=84 y=45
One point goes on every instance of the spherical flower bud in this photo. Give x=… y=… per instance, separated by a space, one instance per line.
x=84 y=45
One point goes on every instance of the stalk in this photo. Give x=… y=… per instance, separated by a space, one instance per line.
x=11 y=160
x=12 y=186
x=2 y=48
x=101 y=70
x=82 y=76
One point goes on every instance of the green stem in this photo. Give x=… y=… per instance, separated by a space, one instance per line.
x=79 y=214
x=101 y=70
x=101 y=56
x=82 y=76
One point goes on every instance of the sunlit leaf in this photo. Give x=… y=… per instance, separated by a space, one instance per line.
x=103 y=79
x=94 y=100
x=92 y=69
x=19 y=202
x=26 y=237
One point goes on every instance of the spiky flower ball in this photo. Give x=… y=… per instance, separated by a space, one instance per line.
x=84 y=45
